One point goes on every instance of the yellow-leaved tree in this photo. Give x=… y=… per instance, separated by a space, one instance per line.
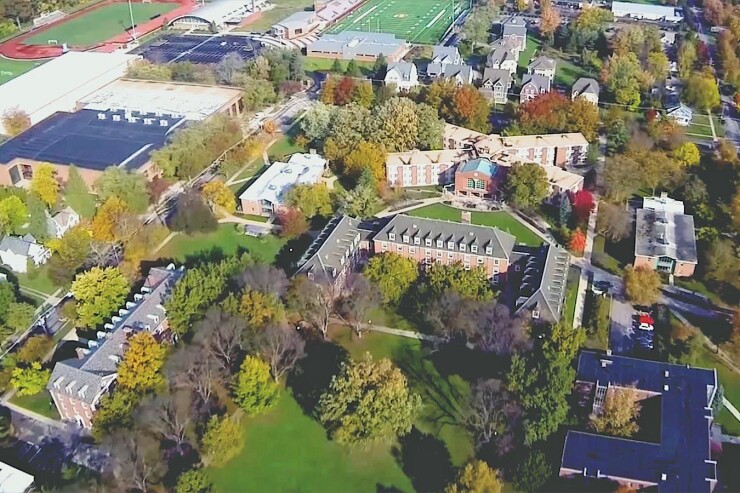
x=44 y=184
x=217 y=194
x=141 y=367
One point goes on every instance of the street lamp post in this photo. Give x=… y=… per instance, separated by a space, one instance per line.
x=133 y=26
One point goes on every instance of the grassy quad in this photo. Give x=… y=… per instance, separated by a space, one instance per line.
x=499 y=219
x=295 y=454
x=100 y=24
x=418 y=21
x=10 y=69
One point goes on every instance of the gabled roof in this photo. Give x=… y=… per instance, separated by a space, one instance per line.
x=462 y=71
x=405 y=70
x=493 y=76
x=542 y=63
x=84 y=378
x=479 y=165
x=445 y=54
x=664 y=233
x=514 y=26
x=544 y=276
x=540 y=82
x=584 y=85
x=500 y=242
x=500 y=55
x=416 y=157
x=279 y=178
x=18 y=245
x=330 y=251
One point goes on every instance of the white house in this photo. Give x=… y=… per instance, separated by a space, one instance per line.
x=544 y=66
x=403 y=74
x=681 y=114
x=503 y=59
x=16 y=252
x=61 y=222
x=441 y=57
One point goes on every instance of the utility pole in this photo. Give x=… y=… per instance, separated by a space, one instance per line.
x=133 y=26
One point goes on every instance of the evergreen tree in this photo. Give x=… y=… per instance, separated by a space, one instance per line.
x=336 y=67
x=380 y=66
x=352 y=69
x=565 y=210
x=37 y=221
x=77 y=196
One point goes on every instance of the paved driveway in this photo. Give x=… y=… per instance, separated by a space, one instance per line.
x=622 y=329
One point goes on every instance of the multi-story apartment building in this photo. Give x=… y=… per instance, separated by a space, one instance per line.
x=423 y=168
x=77 y=385
x=430 y=241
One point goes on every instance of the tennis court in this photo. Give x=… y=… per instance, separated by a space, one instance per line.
x=10 y=69
x=100 y=24
x=417 y=21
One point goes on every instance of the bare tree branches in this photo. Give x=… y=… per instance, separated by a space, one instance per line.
x=168 y=416
x=314 y=300
x=491 y=414
x=264 y=278
x=190 y=369
x=222 y=335
x=359 y=300
x=136 y=460
x=282 y=347
x=498 y=332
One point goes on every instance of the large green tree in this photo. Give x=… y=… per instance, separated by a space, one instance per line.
x=120 y=183
x=30 y=380
x=141 y=367
x=642 y=285
x=311 y=199
x=526 y=185
x=470 y=283
x=69 y=254
x=476 y=477
x=99 y=293
x=396 y=124
x=392 y=274
x=254 y=390
x=543 y=379
x=222 y=441
x=619 y=414
x=13 y=214
x=701 y=91
x=77 y=196
x=368 y=402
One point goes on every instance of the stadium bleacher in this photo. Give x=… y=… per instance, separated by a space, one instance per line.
x=198 y=49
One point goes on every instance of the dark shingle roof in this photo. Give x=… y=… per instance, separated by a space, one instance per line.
x=544 y=278
x=681 y=461
x=501 y=243
x=86 y=377
x=330 y=251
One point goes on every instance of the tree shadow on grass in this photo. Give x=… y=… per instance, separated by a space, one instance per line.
x=313 y=374
x=471 y=365
x=289 y=255
x=443 y=399
x=425 y=460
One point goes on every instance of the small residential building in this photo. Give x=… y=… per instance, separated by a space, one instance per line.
x=358 y=45
x=649 y=12
x=432 y=240
x=77 y=385
x=17 y=252
x=667 y=38
x=544 y=66
x=61 y=222
x=478 y=177
x=562 y=182
x=681 y=114
x=665 y=238
x=446 y=55
x=423 y=168
x=403 y=75
x=458 y=74
x=496 y=84
x=266 y=195
x=504 y=59
x=538 y=278
x=587 y=89
x=297 y=25
x=514 y=30
x=532 y=86
x=342 y=246
x=674 y=453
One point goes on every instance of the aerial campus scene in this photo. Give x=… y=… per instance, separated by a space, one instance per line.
x=369 y=246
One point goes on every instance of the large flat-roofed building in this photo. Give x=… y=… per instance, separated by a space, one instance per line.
x=77 y=385
x=429 y=241
x=680 y=459
x=91 y=140
x=665 y=238
x=423 y=168
x=659 y=13
x=266 y=196
x=296 y=25
x=218 y=14
x=190 y=101
x=60 y=83
x=366 y=46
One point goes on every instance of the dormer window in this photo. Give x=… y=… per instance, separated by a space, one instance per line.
x=405 y=238
x=489 y=250
x=462 y=247
x=439 y=244
x=450 y=245
x=392 y=236
x=417 y=240
x=428 y=242
x=474 y=248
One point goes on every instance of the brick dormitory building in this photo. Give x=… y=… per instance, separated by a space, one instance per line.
x=475 y=164
x=77 y=385
x=537 y=274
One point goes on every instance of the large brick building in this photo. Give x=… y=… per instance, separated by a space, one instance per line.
x=77 y=385
x=434 y=241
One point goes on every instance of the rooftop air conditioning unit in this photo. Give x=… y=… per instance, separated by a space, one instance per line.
x=163 y=123
x=101 y=116
x=116 y=118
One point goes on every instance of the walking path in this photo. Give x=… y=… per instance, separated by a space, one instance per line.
x=711 y=125
x=583 y=280
x=404 y=333
x=31 y=414
x=390 y=211
x=250 y=222
x=733 y=410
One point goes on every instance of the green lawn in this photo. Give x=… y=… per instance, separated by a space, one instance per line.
x=10 y=69
x=700 y=126
x=38 y=281
x=602 y=256
x=533 y=44
x=731 y=383
x=283 y=147
x=500 y=219
x=567 y=71
x=283 y=8
x=385 y=316
x=325 y=65
x=100 y=24
x=227 y=240
x=40 y=403
x=571 y=293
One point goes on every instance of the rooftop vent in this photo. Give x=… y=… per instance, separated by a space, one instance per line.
x=163 y=123
x=665 y=388
x=116 y=118
x=666 y=373
x=114 y=358
x=101 y=116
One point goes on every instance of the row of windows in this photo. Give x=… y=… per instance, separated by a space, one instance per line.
x=440 y=244
x=477 y=184
x=428 y=253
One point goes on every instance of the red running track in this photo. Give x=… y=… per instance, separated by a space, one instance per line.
x=15 y=48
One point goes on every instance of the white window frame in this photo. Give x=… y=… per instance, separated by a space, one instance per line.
x=405 y=238
x=392 y=236
x=463 y=247
x=450 y=245
x=474 y=248
x=489 y=251
x=417 y=240
x=428 y=242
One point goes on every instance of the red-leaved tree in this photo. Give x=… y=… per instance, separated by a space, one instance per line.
x=583 y=204
x=292 y=223
x=544 y=113
x=343 y=92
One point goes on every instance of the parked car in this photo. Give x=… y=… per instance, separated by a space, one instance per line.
x=644 y=326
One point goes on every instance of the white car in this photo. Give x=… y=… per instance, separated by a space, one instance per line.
x=644 y=326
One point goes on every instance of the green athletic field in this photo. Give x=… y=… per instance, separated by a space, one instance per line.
x=100 y=24
x=417 y=21
x=10 y=69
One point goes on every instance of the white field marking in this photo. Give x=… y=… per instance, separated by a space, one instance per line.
x=358 y=19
